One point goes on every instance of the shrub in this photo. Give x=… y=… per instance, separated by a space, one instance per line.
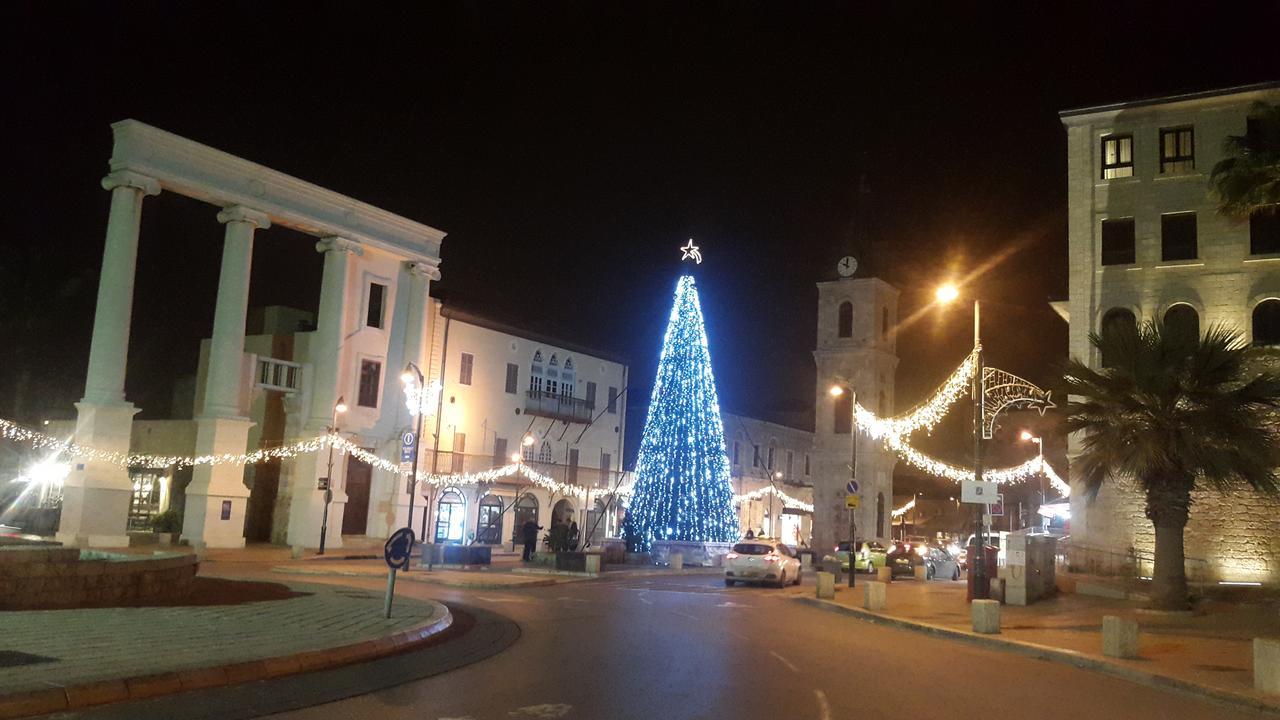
x=169 y=521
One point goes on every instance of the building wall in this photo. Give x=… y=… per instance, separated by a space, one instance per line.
x=1230 y=537
x=866 y=360
x=792 y=459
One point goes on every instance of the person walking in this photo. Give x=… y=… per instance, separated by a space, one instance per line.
x=529 y=532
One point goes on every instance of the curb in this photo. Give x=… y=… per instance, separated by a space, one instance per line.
x=1057 y=655
x=425 y=579
x=76 y=697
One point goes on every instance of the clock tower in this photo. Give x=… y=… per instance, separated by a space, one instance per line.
x=856 y=350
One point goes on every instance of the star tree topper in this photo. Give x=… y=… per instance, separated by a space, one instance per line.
x=691 y=251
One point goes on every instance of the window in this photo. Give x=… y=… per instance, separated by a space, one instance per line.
x=500 y=452
x=1118 y=246
x=1178 y=237
x=591 y=395
x=1266 y=323
x=1183 y=321
x=735 y=452
x=527 y=453
x=606 y=464
x=613 y=401
x=1117 y=320
x=513 y=378
x=451 y=514
x=771 y=450
x=844 y=323
x=465 y=367
x=755 y=455
x=843 y=414
x=1117 y=156
x=526 y=510
x=806 y=464
x=459 y=451
x=377 y=301
x=790 y=462
x=879 y=514
x=544 y=455
x=370 y=375
x=573 y=465
x=1264 y=231
x=489 y=527
x=1177 y=150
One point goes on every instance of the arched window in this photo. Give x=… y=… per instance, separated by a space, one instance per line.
x=551 y=383
x=1266 y=323
x=544 y=455
x=1118 y=320
x=535 y=374
x=1183 y=321
x=526 y=509
x=451 y=514
x=567 y=378
x=842 y=420
x=844 y=323
x=489 y=527
x=880 y=515
x=527 y=452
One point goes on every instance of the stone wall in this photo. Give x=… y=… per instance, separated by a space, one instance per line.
x=50 y=578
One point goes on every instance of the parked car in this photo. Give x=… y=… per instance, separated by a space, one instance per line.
x=871 y=555
x=941 y=564
x=761 y=561
x=904 y=558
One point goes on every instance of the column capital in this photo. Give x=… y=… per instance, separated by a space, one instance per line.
x=128 y=178
x=240 y=213
x=424 y=269
x=333 y=243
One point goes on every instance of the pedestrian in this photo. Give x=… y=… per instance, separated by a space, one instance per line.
x=573 y=535
x=750 y=535
x=529 y=533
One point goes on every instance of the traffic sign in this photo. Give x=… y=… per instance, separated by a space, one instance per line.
x=852 y=501
x=980 y=493
x=851 y=487
x=399 y=549
x=407 y=443
x=997 y=507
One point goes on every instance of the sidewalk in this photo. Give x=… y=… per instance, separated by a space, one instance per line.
x=1211 y=650
x=495 y=577
x=64 y=659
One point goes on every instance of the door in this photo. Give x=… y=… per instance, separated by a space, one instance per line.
x=355 y=520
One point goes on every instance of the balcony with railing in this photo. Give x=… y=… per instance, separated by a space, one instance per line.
x=282 y=375
x=558 y=406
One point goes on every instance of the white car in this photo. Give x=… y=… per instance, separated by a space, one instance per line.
x=762 y=561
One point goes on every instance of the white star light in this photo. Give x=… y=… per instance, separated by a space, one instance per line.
x=691 y=251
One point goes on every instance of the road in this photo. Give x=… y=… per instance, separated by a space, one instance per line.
x=687 y=647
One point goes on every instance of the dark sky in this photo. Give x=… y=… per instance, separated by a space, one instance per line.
x=568 y=149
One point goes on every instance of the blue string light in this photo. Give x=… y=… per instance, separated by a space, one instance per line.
x=682 y=489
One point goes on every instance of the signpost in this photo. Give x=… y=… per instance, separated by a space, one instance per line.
x=397 y=552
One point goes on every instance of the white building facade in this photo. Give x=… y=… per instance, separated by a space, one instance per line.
x=1146 y=242
x=769 y=462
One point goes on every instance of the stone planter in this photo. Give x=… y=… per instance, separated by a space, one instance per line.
x=468 y=555
x=639 y=559
x=164 y=538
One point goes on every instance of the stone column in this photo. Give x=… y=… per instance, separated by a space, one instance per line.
x=324 y=351
x=95 y=506
x=416 y=351
x=217 y=496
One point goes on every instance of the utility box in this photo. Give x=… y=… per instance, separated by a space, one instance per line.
x=1030 y=560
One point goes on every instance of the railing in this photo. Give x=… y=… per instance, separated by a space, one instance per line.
x=560 y=407
x=279 y=375
x=1132 y=564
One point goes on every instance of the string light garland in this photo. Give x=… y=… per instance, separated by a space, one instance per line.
x=903 y=510
x=682 y=489
x=926 y=415
x=787 y=500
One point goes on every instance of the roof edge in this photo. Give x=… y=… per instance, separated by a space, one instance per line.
x=1165 y=99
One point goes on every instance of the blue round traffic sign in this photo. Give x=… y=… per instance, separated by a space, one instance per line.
x=851 y=487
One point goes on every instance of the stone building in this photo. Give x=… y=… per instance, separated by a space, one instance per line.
x=767 y=461
x=1146 y=242
x=856 y=349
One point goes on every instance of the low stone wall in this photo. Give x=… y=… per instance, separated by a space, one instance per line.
x=36 y=578
x=701 y=554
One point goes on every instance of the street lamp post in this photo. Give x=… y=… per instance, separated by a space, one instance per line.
x=1027 y=436
x=338 y=408
x=411 y=373
x=837 y=391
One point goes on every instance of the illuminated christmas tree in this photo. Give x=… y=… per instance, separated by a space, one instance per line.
x=682 y=489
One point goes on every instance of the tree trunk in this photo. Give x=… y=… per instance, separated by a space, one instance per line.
x=1168 y=505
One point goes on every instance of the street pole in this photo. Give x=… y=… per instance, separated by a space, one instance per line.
x=980 y=591
x=417 y=443
x=338 y=407
x=853 y=474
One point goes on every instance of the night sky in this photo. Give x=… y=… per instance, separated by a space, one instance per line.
x=569 y=149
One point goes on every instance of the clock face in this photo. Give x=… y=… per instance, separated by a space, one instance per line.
x=847 y=266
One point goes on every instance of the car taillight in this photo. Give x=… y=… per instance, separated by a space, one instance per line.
x=731 y=556
x=920 y=549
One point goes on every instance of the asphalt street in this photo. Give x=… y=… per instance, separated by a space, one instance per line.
x=687 y=647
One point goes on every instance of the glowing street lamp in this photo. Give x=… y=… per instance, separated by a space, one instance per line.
x=946 y=293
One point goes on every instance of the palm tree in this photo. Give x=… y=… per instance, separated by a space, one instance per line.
x=1173 y=413
x=1248 y=179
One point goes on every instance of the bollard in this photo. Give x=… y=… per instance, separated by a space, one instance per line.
x=1119 y=637
x=297 y=551
x=874 y=595
x=986 y=616
x=1266 y=665
x=826 y=586
x=593 y=564
x=806 y=561
x=676 y=560
x=884 y=575
x=922 y=573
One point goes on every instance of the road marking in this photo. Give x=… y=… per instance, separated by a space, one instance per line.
x=566 y=598
x=730 y=603
x=542 y=711
x=501 y=600
x=645 y=600
x=684 y=614
x=824 y=708
x=786 y=662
